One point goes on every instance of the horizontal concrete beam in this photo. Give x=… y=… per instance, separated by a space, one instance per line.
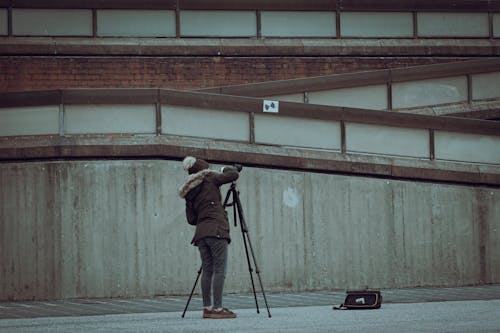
x=168 y=147
x=478 y=114
x=485 y=109
x=388 y=5
x=247 y=46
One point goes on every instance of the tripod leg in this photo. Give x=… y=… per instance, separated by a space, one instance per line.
x=250 y=270
x=192 y=291
x=258 y=276
x=246 y=240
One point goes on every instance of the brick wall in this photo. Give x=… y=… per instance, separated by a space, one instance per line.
x=23 y=73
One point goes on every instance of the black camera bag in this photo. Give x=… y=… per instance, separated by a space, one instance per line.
x=361 y=299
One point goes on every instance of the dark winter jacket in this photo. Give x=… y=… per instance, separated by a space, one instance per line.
x=204 y=202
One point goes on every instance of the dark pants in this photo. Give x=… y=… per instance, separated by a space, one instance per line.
x=213 y=252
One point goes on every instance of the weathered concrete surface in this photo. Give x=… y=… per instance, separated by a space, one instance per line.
x=117 y=228
x=255 y=47
x=457 y=317
x=27 y=148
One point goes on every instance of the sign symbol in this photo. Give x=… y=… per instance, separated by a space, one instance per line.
x=271 y=106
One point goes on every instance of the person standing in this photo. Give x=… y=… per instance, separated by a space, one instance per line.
x=205 y=210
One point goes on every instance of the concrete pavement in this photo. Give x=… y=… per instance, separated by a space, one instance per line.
x=457 y=316
x=464 y=309
x=103 y=306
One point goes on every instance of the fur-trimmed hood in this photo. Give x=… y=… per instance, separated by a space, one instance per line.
x=204 y=207
x=194 y=180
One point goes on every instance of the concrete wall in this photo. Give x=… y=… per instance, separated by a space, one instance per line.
x=117 y=228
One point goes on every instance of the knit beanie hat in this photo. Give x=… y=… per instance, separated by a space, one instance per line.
x=193 y=165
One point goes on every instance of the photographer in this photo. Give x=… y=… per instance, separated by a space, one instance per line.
x=204 y=209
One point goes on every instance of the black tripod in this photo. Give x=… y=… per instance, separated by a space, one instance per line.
x=238 y=214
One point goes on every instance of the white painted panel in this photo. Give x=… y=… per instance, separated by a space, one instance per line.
x=35 y=120
x=429 y=92
x=110 y=119
x=496 y=25
x=453 y=24
x=298 y=132
x=367 y=97
x=296 y=98
x=218 y=23
x=467 y=147
x=3 y=22
x=205 y=123
x=385 y=140
x=298 y=24
x=52 y=22
x=136 y=23
x=376 y=24
x=486 y=85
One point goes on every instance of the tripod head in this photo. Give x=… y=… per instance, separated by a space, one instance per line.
x=235 y=203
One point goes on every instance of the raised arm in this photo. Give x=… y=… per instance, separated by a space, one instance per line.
x=228 y=174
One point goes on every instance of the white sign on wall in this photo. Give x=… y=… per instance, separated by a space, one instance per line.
x=271 y=106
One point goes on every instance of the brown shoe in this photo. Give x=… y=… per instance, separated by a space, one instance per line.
x=222 y=314
x=207 y=313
